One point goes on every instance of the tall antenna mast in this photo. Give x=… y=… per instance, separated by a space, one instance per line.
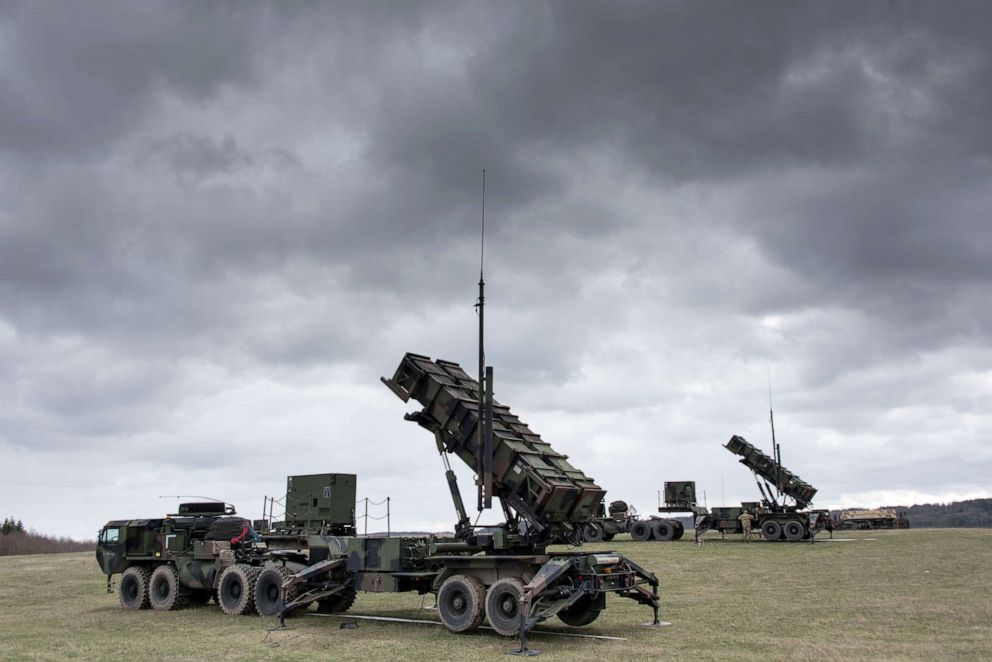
x=484 y=467
x=776 y=451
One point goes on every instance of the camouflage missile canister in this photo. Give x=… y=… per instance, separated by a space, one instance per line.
x=764 y=466
x=532 y=478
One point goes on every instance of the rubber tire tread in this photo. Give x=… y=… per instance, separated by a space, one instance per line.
x=771 y=530
x=247 y=575
x=640 y=531
x=338 y=603
x=793 y=538
x=579 y=614
x=174 y=600
x=477 y=595
x=663 y=530
x=593 y=532
x=501 y=627
x=141 y=575
x=283 y=574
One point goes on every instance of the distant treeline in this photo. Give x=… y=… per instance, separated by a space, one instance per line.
x=973 y=513
x=14 y=539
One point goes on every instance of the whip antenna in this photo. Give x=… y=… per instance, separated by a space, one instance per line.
x=484 y=466
x=776 y=451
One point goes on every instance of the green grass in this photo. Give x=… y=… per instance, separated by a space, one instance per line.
x=918 y=594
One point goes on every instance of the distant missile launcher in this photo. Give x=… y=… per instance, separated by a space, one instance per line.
x=764 y=466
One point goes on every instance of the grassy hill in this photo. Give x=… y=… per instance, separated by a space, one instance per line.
x=916 y=594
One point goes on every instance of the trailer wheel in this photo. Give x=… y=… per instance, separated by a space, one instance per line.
x=337 y=603
x=163 y=588
x=771 y=530
x=663 y=530
x=134 y=588
x=502 y=609
x=640 y=531
x=268 y=590
x=679 y=530
x=794 y=530
x=236 y=591
x=583 y=612
x=460 y=603
x=608 y=537
x=593 y=532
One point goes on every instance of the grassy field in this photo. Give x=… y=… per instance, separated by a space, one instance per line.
x=918 y=594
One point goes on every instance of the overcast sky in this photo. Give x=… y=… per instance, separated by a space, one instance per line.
x=220 y=224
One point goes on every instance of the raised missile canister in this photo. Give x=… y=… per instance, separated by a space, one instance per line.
x=528 y=474
x=764 y=466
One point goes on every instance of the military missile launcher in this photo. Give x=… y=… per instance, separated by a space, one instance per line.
x=783 y=512
x=502 y=573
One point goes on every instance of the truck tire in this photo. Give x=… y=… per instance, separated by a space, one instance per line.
x=338 y=603
x=163 y=588
x=771 y=530
x=608 y=537
x=502 y=609
x=663 y=530
x=133 y=590
x=593 y=532
x=679 y=530
x=583 y=612
x=460 y=603
x=268 y=590
x=793 y=530
x=640 y=531
x=236 y=592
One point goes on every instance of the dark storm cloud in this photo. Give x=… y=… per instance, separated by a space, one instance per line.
x=204 y=206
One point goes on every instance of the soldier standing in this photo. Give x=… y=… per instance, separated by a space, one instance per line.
x=746 y=518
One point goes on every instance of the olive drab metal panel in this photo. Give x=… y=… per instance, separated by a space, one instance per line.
x=320 y=500
x=680 y=493
x=764 y=466
x=528 y=474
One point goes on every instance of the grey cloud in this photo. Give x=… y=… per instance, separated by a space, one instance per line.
x=220 y=224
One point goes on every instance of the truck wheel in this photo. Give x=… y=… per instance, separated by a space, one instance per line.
x=338 y=603
x=794 y=530
x=236 y=590
x=460 y=603
x=663 y=530
x=163 y=588
x=593 y=532
x=583 y=612
x=134 y=588
x=640 y=531
x=268 y=590
x=679 y=530
x=608 y=537
x=502 y=610
x=771 y=530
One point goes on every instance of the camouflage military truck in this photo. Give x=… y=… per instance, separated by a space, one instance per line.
x=206 y=552
x=783 y=512
x=680 y=497
x=878 y=518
